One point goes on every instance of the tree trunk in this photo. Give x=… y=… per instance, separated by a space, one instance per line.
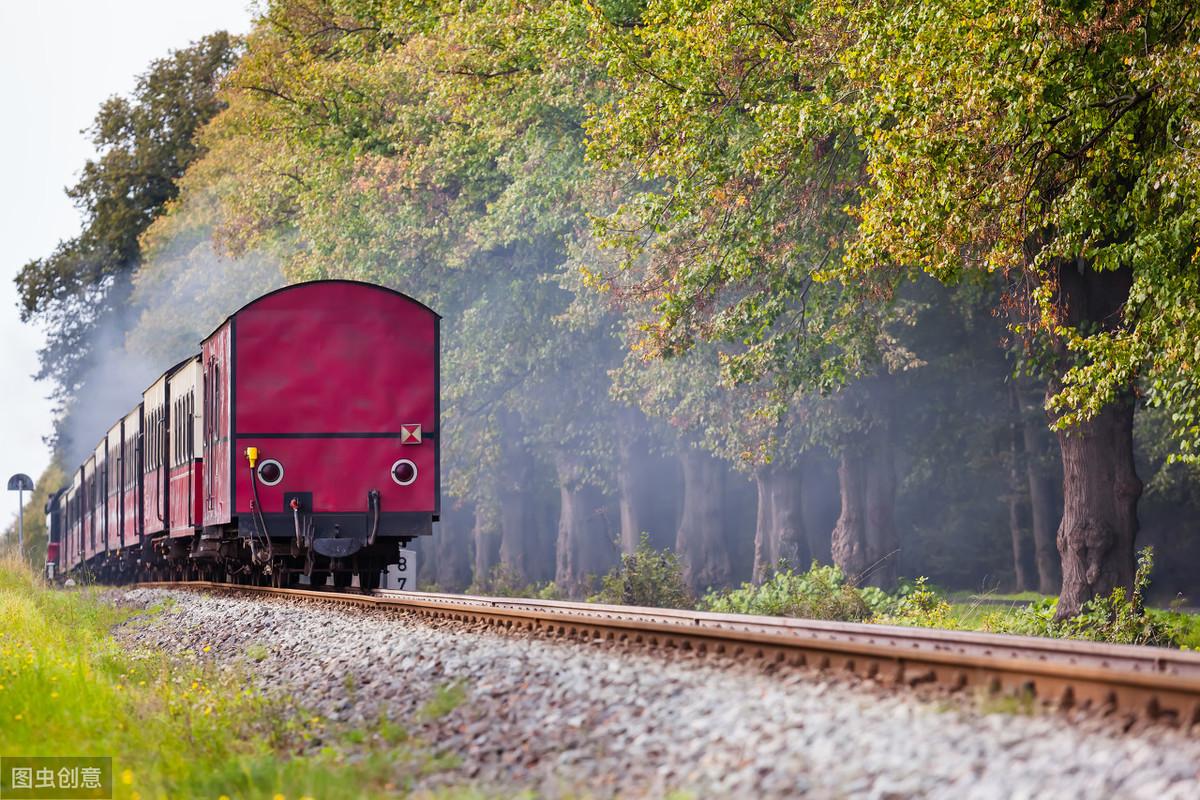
x=634 y=481
x=486 y=533
x=700 y=540
x=821 y=503
x=585 y=548
x=1018 y=493
x=779 y=533
x=1042 y=473
x=1100 y=484
x=865 y=544
x=1100 y=495
x=452 y=548
x=518 y=513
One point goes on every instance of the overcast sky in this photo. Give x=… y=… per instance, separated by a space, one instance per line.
x=61 y=59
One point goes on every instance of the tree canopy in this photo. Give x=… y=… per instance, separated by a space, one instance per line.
x=681 y=244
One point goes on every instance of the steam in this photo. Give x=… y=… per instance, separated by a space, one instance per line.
x=182 y=291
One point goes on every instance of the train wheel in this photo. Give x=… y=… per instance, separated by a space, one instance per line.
x=318 y=579
x=341 y=579
x=368 y=579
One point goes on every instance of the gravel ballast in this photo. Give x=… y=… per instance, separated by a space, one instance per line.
x=572 y=719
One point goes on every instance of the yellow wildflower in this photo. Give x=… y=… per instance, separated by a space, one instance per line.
x=127 y=777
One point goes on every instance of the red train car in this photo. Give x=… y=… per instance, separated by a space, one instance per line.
x=154 y=446
x=91 y=519
x=320 y=430
x=184 y=478
x=302 y=441
x=131 y=473
x=73 y=522
x=114 y=463
x=54 y=533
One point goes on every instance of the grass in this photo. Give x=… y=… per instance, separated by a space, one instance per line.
x=824 y=593
x=175 y=727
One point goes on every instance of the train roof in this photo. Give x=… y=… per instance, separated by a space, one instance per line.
x=326 y=282
x=171 y=371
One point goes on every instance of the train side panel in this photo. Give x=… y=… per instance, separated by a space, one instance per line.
x=74 y=523
x=155 y=498
x=114 y=479
x=131 y=492
x=70 y=537
x=89 y=508
x=216 y=407
x=186 y=478
x=100 y=496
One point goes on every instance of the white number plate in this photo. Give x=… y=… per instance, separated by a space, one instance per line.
x=403 y=576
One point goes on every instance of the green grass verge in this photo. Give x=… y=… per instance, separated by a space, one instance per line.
x=175 y=727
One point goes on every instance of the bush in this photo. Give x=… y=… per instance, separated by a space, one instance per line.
x=646 y=577
x=1115 y=618
x=504 y=581
x=919 y=605
x=820 y=593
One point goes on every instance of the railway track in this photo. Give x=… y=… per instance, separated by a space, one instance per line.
x=1154 y=683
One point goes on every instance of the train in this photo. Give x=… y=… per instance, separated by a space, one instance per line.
x=299 y=445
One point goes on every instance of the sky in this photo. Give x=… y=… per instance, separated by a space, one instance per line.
x=60 y=60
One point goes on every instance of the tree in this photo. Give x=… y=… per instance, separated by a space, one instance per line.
x=443 y=155
x=144 y=143
x=735 y=227
x=1046 y=142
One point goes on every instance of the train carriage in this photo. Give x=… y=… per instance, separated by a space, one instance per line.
x=89 y=509
x=54 y=533
x=100 y=499
x=114 y=461
x=131 y=479
x=301 y=441
x=73 y=525
x=321 y=428
x=185 y=477
x=155 y=432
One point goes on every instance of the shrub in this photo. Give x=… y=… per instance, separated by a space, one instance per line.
x=1118 y=618
x=820 y=593
x=919 y=605
x=646 y=577
x=504 y=581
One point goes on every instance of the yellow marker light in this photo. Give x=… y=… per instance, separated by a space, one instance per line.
x=252 y=455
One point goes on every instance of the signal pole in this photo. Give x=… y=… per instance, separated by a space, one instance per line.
x=21 y=483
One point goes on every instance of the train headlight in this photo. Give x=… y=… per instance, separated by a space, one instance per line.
x=270 y=472
x=404 y=472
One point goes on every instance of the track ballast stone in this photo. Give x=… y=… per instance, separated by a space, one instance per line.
x=569 y=719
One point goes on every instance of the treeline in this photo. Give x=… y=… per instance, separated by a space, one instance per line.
x=910 y=287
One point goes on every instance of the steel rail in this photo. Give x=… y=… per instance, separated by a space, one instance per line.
x=1157 y=683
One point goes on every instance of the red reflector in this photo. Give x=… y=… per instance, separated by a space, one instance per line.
x=404 y=472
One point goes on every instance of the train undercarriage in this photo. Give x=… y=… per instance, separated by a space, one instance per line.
x=226 y=558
